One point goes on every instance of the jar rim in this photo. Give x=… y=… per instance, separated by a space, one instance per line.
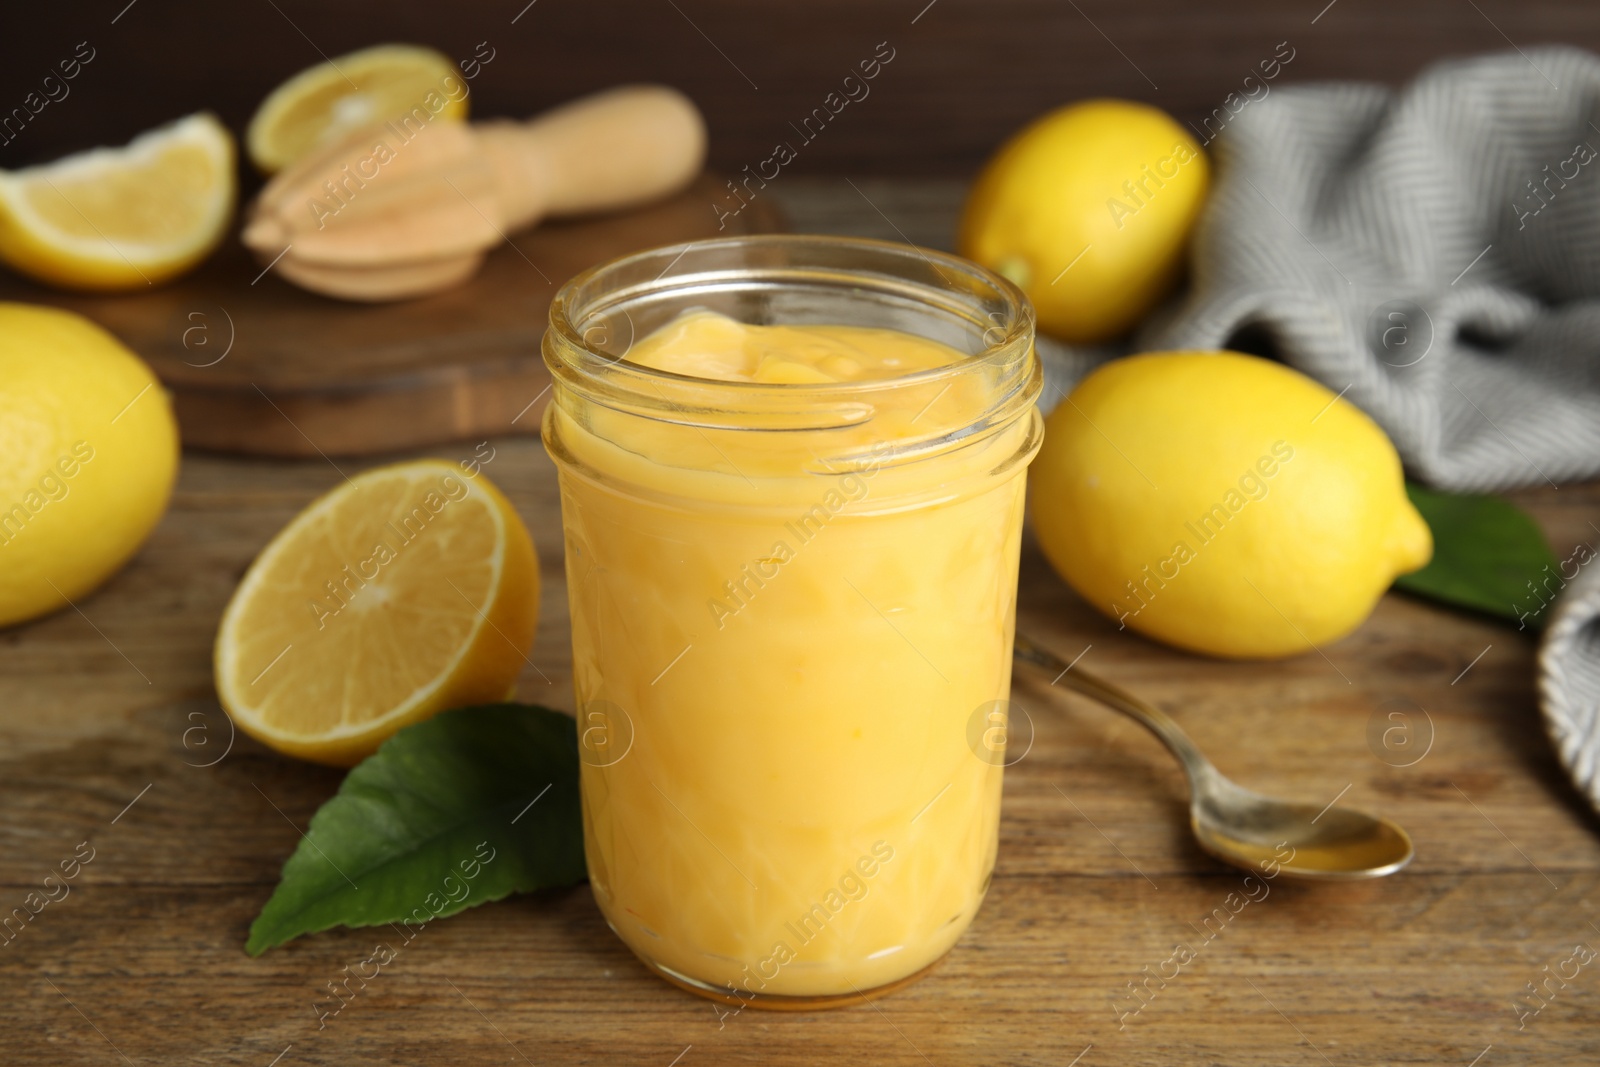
x=1018 y=315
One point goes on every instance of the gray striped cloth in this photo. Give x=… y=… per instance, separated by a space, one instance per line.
x=1569 y=681
x=1433 y=254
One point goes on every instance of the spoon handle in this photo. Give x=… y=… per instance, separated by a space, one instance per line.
x=1195 y=764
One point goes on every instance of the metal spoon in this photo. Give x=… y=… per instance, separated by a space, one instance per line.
x=1243 y=828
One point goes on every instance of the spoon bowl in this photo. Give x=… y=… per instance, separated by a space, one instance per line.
x=1259 y=833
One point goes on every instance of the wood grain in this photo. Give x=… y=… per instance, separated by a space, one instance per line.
x=1097 y=878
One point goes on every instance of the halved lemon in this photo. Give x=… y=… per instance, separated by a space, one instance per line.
x=403 y=592
x=122 y=218
x=324 y=103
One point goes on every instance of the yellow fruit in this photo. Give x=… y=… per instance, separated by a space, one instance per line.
x=398 y=594
x=327 y=102
x=122 y=218
x=1088 y=210
x=88 y=453
x=1223 y=503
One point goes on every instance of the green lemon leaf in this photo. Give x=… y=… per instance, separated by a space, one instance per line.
x=470 y=806
x=1486 y=551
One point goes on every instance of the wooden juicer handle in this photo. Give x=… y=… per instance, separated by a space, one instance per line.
x=604 y=152
x=450 y=193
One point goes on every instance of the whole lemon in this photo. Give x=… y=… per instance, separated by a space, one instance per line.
x=1223 y=503
x=88 y=453
x=1088 y=211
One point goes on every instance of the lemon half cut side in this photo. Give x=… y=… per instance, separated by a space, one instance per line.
x=400 y=593
x=327 y=102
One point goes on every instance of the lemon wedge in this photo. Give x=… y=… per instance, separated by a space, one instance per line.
x=405 y=591
x=122 y=218
x=325 y=103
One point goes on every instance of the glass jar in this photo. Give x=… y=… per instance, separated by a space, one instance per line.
x=792 y=614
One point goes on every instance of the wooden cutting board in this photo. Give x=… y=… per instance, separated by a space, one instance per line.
x=258 y=366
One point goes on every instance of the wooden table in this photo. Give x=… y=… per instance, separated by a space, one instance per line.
x=103 y=713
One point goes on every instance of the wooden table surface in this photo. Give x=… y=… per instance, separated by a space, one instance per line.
x=107 y=717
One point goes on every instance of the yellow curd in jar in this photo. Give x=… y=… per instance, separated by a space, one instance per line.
x=787 y=645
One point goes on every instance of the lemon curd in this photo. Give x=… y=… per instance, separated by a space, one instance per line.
x=791 y=550
x=703 y=344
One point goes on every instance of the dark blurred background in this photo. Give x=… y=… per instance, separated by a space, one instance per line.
x=965 y=72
